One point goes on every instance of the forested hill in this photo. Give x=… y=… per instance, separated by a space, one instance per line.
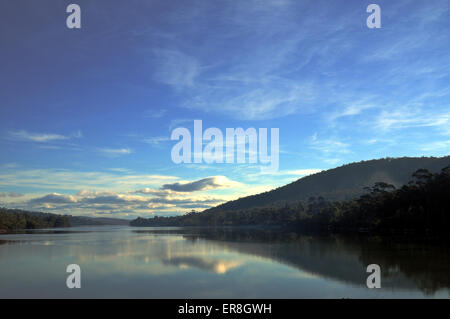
x=341 y=183
x=15 y=219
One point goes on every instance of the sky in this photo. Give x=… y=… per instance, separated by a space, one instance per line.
x=86 y=114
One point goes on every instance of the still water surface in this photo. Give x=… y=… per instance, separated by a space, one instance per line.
x=126 y=262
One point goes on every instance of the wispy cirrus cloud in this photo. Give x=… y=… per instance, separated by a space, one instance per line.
x=437 y=146
x=176 y=68
x=329 y=145
x=156 y=140
x=268 y=98
x=25 y=136
x=115 y=151
x=259 y=79
x=410 y=118
x=351 y=108
x=155 y=113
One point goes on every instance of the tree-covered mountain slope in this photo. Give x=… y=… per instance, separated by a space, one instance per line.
x=341 y=183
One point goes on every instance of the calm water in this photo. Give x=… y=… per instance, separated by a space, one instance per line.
x=126 y=262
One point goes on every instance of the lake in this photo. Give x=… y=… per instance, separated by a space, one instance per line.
x=127 y=262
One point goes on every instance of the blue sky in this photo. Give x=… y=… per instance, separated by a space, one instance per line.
x=86 y=115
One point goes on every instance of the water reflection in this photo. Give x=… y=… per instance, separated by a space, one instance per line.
x=405 y=264
x=197 y=263
x=217 y=266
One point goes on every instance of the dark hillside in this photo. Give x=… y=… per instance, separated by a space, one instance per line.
x=341 y=183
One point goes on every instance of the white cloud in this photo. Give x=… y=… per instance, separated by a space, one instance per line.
x=329 y=146
x=35 y=137
x=405 y=118
x=176 y=68
x=115 y=151
x=156 y=140
x=96 y=203
x=354 y=108
x=437 y=146
x=54 y=198
x=156 y=192
x=118 y=194
x=93 y=193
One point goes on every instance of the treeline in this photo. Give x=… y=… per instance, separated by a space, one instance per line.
x=13 y=219
x=421 y=206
